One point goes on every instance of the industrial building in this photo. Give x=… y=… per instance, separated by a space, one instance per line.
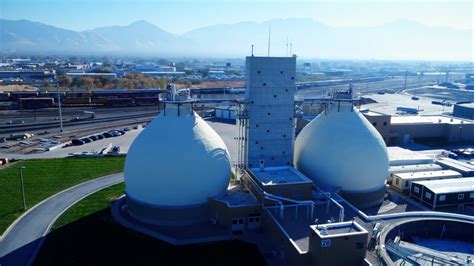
x=292 y=197
x=197 y=201
x=443 y=193
x=76 y=75
x=402 y=181
x=397 y=130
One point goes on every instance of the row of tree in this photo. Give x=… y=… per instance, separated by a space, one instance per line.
x=129 y=81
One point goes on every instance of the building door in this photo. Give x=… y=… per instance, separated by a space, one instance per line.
x=253 y=222
x=237 y=224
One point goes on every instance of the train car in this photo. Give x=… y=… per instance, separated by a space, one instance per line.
x=51 y=94
x=76 y=101
x=78 y=94
x=142 y=93
x=17 y=95
x=142 y=101
x=98 y=94
x=99 y=101
x=4 y=96
x=119 y=102
x=36 y=103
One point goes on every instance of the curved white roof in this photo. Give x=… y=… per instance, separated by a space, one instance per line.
x=177 y=161
x=340 y=148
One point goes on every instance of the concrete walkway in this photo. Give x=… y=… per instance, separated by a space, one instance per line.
x=22 y=240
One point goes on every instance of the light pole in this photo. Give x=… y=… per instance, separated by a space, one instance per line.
x=59 y=109
x=22 y=186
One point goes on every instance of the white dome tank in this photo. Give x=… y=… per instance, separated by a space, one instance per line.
x=178 y=160
x=341 y=149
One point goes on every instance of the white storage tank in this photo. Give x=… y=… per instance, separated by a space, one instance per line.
x=340 y=149
x=174 y=166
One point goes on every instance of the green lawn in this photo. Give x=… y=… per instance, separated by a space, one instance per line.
x=91 y=204
x=44 y=178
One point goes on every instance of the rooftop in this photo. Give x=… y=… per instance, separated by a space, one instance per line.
x=414 y=168
x=237 y=196
x=429 y=174
x=279 y=175
x=470 y=105
x=458 y=165
x=429 y=119
x=449 y=185
x=401 y=156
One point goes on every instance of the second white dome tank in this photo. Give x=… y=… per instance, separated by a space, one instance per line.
x=341 y=149
x=178 y=160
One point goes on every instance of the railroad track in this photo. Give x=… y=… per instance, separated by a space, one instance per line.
x=46 y=125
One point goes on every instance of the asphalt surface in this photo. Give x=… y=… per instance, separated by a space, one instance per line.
x=226 y=130
x=21 y=242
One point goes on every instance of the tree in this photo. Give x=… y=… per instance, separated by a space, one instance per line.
x=64 y=81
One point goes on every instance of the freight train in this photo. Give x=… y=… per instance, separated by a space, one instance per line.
x=44 y=99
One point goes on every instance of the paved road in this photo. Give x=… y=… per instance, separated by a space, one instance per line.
x=21 y=242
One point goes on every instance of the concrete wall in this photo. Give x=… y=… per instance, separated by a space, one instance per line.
x=343 y=250
x=224 y=214
x=301 y=191
x=381 y=123
x=270 y=90
x=281 y=242
x=463 y=111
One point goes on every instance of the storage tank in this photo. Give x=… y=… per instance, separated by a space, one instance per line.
x=174 y=166
x=340 y=149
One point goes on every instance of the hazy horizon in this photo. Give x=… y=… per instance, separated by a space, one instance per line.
x=383 y=30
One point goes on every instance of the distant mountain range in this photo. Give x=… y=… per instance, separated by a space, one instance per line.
x=397 y=40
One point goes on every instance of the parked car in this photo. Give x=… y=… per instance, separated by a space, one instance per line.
x=100 y=136
x=115 y=133
x=94 y=138
x=77 y=142
x=122 y=132
x=86 y=140
x=107 y=135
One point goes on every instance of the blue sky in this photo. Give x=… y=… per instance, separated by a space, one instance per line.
x=183 y=15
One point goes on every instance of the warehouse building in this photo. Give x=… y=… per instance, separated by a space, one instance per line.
x=402 y=181
x=444 y=193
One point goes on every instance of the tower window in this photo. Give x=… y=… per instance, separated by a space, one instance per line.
x=268 y=130
x=281 y=72
x=292 y=78
x=268 y=113
x=259 y=72
x=256 y=125
x=284 y=135
x=274 y=96
x=264 y=84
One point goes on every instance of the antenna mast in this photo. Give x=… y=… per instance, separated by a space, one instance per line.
x=269 y=35
x=286 y=45
x=252 y=49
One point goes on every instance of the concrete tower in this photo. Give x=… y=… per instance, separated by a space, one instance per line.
x=270 y=91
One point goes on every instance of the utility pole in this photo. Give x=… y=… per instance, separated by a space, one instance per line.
x=22 y=186
x=406 y=76
x=59 y=108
